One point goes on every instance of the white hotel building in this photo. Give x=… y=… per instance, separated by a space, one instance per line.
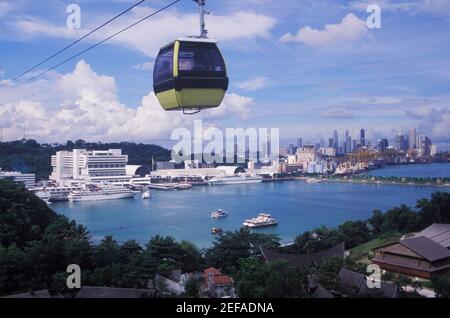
x=28 y=179
x=96 y=166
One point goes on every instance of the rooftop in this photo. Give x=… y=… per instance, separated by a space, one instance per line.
x=427 y=248
x=439 y=233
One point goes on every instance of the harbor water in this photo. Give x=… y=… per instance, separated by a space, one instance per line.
x=297 y=205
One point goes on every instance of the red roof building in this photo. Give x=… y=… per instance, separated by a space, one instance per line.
x=217 y=284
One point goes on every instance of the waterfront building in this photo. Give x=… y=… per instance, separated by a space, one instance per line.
x=307 y=155
x=292 y=159
x=28 y=179
x=433 y=150
x=412 y=138
x=318 y=167
x=199 y=174
x=165 y=165
x=93 y=166
x=423 y=146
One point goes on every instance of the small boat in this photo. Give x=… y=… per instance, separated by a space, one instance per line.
x=146 y=195
x=220 y=213
x=216 y=230
x=313 y=180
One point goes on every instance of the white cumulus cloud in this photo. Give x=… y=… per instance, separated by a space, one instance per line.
x=349 y=30
x=83 y=104
x=148 y=36
x=253 y=84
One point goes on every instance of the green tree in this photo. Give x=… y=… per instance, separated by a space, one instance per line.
x=231 y=246
x=436 y=210
x=441 y=286
x=376 y=221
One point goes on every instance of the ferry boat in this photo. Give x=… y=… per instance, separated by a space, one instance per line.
x=263 y=219
x=313 y=180
x=56 y=193
x=98 y=194
x=219 y=214
x=235 y=179
x=43 y=195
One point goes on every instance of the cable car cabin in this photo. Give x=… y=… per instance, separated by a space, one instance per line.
x=190 y=74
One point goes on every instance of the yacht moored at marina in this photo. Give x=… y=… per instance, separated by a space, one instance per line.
x=263 y=219
x=146 y=195
x=235 y=179
x=44 y=195
x=220 y=213
x=98 y=194
x=56 y=193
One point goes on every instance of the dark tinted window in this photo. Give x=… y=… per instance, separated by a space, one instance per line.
x=200 y=57
x=164 y=65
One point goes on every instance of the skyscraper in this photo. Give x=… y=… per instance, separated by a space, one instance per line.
x=348 y=142
x=362 y=139
x=427 y=147
x=330 y=142
x=400 y=142
x=383 y=145
x=299 y=143
x=335 y=140
x=412 y=139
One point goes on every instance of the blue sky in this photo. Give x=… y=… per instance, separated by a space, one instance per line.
x=304 y=66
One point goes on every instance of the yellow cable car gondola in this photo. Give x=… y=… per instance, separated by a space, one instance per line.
x=190 y=73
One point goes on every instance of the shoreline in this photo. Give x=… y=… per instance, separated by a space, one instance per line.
x=378 y=182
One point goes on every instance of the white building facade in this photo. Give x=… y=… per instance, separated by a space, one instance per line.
x=28 y=179
x=93 y=166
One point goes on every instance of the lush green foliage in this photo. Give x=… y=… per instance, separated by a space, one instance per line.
x=256 y=279
x=441 y=286
x=32 y=157
x=230 y=247
x=36 y=245
x=396 y=220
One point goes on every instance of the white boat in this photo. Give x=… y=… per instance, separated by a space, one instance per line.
x=219 y=214
x=43 y=195
x=235 y=179
x=56 y=193
x=263 y=219
x=146 y=195
x=98 y=194
x=313 y=180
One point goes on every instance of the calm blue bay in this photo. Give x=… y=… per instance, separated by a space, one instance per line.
x=298 y=206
